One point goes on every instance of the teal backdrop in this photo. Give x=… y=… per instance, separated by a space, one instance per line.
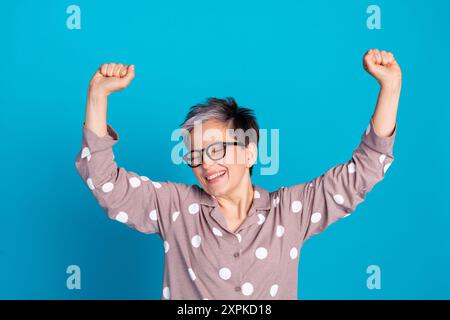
x=298 y=64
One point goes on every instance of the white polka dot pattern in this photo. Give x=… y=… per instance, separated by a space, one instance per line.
x=204 y=258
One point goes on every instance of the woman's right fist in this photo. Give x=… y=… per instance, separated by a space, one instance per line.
x=111 y=77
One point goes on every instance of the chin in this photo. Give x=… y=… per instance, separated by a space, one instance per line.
x=216 y=190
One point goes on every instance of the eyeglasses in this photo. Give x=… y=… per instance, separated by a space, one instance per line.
x=215 y=151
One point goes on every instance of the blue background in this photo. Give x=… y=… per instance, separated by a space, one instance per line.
x=297 y=63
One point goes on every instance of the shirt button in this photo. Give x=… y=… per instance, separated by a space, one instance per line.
x=236 y=254
x=237 y=289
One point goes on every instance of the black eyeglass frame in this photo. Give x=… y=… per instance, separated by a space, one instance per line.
x=224 y=144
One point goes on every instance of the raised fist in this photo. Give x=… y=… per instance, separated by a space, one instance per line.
x=383 y=67
x=111 y=77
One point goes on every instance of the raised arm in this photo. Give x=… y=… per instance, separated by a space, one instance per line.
x=385 y=69
x=338 y=191
x=126 y=196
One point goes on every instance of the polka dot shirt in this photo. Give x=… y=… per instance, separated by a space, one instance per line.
x=203 y=260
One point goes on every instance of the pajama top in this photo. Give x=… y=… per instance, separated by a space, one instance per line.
x=203 y=259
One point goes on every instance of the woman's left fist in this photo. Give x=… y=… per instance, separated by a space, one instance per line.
x=383 y=67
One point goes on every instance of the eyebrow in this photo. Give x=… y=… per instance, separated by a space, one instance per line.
x=211 y=144
x=206 y=146
x=192 y=150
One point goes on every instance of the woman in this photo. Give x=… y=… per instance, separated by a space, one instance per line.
x=231 y=239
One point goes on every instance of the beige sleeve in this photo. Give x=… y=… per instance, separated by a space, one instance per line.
x=137 y=201
x=336 y=193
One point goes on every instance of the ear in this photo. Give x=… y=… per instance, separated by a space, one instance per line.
x=251 y=154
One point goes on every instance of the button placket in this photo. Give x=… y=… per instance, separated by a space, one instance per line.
x=237 y=262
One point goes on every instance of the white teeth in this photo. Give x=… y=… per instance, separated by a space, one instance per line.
x=215 y=175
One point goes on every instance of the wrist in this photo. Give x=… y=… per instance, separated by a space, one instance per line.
x=391 y=86
x=97 y=93
x=96 y=99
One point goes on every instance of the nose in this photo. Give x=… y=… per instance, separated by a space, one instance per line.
x=207 y=162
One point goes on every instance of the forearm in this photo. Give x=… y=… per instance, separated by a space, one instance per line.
x=385 y=114
x=96 y=110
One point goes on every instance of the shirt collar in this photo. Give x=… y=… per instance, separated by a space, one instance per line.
x=261 y=201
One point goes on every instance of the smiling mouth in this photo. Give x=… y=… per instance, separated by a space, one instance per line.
x=215 y=176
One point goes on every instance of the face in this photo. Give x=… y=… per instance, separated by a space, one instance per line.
x=223 y=176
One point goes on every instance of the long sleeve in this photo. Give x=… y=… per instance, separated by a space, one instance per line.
x=126 y=196
x=336 y=193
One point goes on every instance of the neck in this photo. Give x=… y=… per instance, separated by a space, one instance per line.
x=237 y=203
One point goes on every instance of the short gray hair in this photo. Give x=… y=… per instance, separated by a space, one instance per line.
x=225 y=111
